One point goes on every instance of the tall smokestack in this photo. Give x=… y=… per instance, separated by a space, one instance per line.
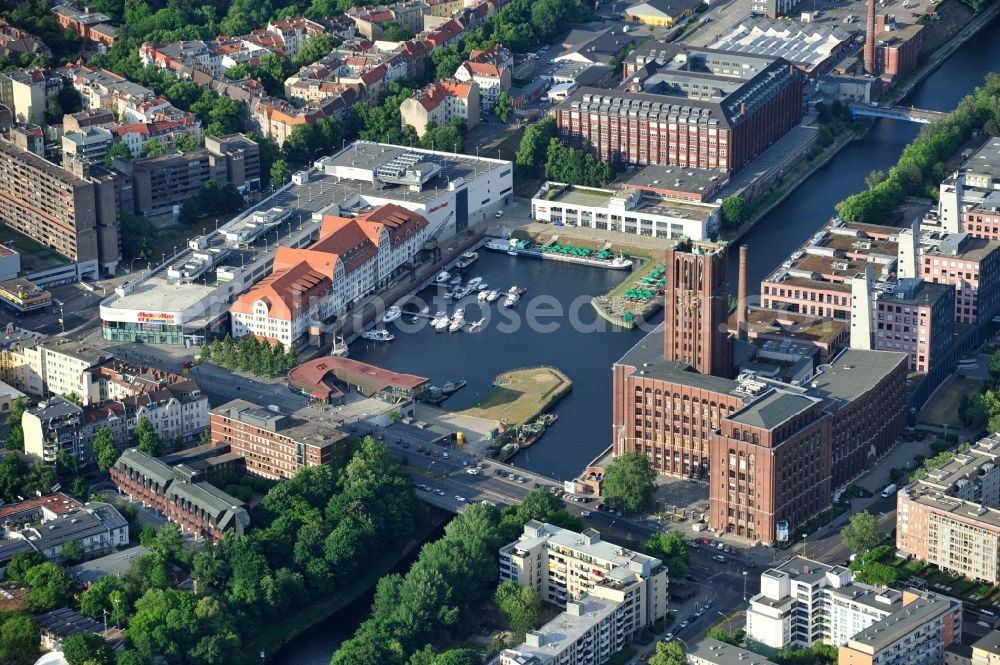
x=741 y=297
x=870 y=39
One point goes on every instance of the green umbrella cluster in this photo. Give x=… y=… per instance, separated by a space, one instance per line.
x=567 y=249
x=640 y=294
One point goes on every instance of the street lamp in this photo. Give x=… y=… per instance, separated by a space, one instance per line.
x=804 y=546
x=744 y=586
x=729 y=621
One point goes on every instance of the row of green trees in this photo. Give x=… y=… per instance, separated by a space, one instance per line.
x=251 y=355
x=438 y=596
x=921 y=166
x=210 y=201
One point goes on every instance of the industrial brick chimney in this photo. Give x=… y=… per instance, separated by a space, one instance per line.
x=870 y=39
x=741 y=297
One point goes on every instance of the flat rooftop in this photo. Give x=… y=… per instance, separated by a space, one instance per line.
x=720 y=653
x=853 y=373
x=679 y=178
x=568 y=627
x=900 y=624
x=807 y=46
x=791 y=325
x=649 y=204
x=986 y=160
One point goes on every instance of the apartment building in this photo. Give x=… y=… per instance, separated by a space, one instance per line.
x=972 y=266
x=816 y=279
x=589 y=632
x=491 y=69
x=352 y=257
x=441 y=102
x=688 y=107
x=986 y=651
x=804 y=602
x=238 y=157
x=274 y=445
x=161 y=184
x=26 y=91
x=714 y=652
x=563 y=566
x=53 y=427
x=774 y=8
x=916 y=318
x=969 y=188
x=76 y=217
x=951 y=516
x=98 y=527
x=180 y=494
x=89 y=146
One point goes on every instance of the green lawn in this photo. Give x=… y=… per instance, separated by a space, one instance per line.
x=943 y=409
x=521 y=395
x=34 y=255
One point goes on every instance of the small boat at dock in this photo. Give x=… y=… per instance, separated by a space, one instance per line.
x=452 y=387
x=378 y=335
x=443 y=277
x=493 y=295
x=474 y=283
x=482 y=295
x=392 y=314
x=467 y=259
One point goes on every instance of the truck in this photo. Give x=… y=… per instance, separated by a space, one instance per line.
x=889 y=491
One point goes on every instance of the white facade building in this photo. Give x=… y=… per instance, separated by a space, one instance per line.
x=628 y=210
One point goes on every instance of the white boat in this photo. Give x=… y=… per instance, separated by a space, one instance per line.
x=442 y=324
x=457 y=321
x=498 y=244
x=483 y=287
x=493 y=296
x=514 y=290
x=620 y=263
x=467 y=259
x=426 y=310
x=392 y=314
x=474 y=283
x=482 y=295
x=456 y=280
x=461 y=292
x=378 y=335
x=339 y=349
x=443 y=277
x=511 y=300
x=475 y=325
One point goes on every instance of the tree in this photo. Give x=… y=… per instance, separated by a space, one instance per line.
x=185 y=143
x=137 y=236
x=146 y=439
x=530 y=156
x=629 y=481
x=521 y=606
x=87 y=649
x=735 y=638
x=21 y=563
x=153 y=148
x=104 y=449
x=72 y=553
x=504 y=108
x=15 y=435
x=118 y=150
x=877 y=574
x=671 y=549
x=50 y=587
x=19 y=640
x=994 y=367
x=280 y=173
x=394 y=32
x=875 y=178
x=861 y=534
x=671 y=653
x=313 y=49
x=733 y=211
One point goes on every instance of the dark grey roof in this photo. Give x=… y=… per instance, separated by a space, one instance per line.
x=772 y=409
x=65 y=622
x=990 y=643
x=150 y=467
x=853 y=373
x=720 y=653
x=647 y=358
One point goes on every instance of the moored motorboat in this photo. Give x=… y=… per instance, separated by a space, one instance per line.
x=456 y=280
x=442 y=324
x=493 y=296
x=620 y=263
x=461 y=292
x=511 y=300
x=474 y=283
x=451 y=386
x=467 y=259
x=443 y=277
x=378 y=335
x=482 y=295
x=392 y=314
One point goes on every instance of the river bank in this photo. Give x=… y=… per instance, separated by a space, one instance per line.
x=273 y=637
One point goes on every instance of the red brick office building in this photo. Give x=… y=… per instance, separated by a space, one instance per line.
x=689 y=107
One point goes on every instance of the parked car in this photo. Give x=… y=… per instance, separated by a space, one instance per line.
x=708 y=605
x=460 y=499
x=435 y=454
x=472 y=472
x=719 y=558
x=499 y=214
x=445 y=455
x=439 y=492
x=698 y=613
x=584 y=513
x=682 y=625
x=667 y=637
x=420 y=449
x=424 y=488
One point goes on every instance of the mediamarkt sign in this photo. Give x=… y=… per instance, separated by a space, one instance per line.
x=153 y=317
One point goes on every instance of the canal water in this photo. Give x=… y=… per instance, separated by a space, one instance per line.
x=585 y=415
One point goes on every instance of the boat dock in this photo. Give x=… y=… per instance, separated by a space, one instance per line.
x=553 y=251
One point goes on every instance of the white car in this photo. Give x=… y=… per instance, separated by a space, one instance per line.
x=444 y=455
x=668 y=637
x=460 y=499
x=439 y=492
x=472 y=472
x=584 y=513
x=682 y=625
x=499 y=214
x=424 y=488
